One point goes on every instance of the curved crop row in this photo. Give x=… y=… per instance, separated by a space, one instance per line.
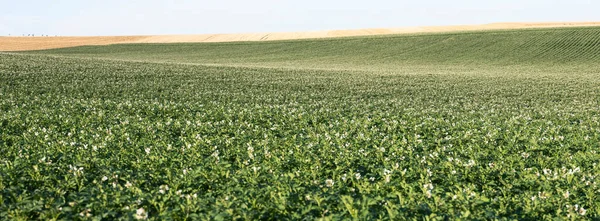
x=516 y=47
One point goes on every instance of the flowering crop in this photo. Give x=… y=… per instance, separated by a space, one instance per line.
x=86 y=138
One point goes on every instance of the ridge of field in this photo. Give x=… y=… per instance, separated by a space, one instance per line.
x=39 y=43
x=514 y=47
x=352 y=33
x=493 y=125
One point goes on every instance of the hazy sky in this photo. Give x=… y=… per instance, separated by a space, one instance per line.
x=129 y=17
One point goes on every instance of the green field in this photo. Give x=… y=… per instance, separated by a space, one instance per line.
x=472 y=125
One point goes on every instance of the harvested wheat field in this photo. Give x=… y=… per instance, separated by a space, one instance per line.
x=40 y=43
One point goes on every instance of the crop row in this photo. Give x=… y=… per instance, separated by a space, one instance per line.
x=92 y=139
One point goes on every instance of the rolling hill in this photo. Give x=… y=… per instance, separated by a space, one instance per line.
x=514 y=47
x=38 y=43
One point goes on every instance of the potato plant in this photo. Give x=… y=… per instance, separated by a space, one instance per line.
x=116 y=139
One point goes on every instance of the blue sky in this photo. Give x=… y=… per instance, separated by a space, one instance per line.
x=146 y=17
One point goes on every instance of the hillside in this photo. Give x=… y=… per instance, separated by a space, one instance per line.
x=515 y=47
x=39 y=43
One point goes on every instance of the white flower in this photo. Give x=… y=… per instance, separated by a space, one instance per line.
x=581 y=211
x=428 y=193
x=566 y=194
x=470 y=163
x=428 y=186
x=357 y=175
x=128 y=184
x=547 y=171
x=104 y=178
x=76 y=171
x=329 y=183
x=141 y=214
x=251 y=152
x=163 y=189
x=86 y=213
x=147 y=150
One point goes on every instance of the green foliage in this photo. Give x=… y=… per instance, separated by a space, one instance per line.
x=408 y=137
x=517 y=47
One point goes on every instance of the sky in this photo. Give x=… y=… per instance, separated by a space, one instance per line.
x=150 y=17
